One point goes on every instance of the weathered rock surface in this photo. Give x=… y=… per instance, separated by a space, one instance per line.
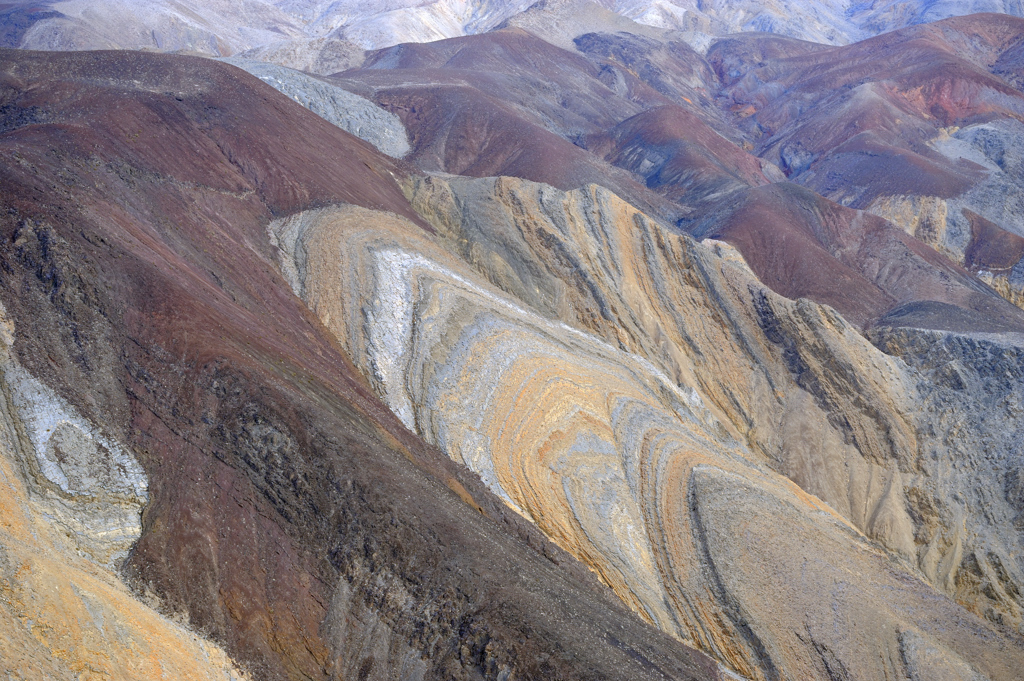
x=321 y=56
x=642 y=399
x=832 y=22
x=291 y=517
x=681 y=157
x=920 y=127
x=324 y=36
x=970 y=388
x=216 y=27
x=223 y=28
x=803 y=245
x=506 y=116
x=70 y=502
x=513 y=106
x=348 y=111
x=819 y=486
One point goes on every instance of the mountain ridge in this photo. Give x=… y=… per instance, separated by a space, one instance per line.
x=562 y=349
x=318 y=35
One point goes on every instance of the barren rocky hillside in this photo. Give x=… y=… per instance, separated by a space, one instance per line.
x=538 y=343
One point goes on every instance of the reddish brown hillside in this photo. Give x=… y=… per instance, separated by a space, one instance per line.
x=291 y=516
x=678 y=155
x=858 y=117
x=804 y=246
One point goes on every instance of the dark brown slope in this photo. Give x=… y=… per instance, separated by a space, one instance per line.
x=548 y=85
x=291 y=515
x=505 y=103
x=462 y=130
x=852 y=122
x=17 y=17
x=804 y=246
x=679 y=156
x=655 y=73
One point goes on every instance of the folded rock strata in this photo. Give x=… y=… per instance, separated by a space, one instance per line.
x=783 y=483
x=70 y=503
x=617 y=383
x=289 y=515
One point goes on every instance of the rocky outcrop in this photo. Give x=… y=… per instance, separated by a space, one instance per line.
x=803 y=245
x=506 y=111
x=321 y=56
x=970 y=392
x=91 y=488
x=796 y=452
x=644 y=400
x=830 y=22
x=222 y=28
x=302 y=33
x=348 y=111
x=70 y=505
x=920 y=126
x=290 y=516
x=980 y=228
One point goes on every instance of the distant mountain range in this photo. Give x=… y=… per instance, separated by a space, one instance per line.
x=322 y=35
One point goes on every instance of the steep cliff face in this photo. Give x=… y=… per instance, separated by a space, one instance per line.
x=645 y=400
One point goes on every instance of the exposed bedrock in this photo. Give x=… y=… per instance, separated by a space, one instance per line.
x=348 y=111
x=920 y=126
x=981 y=228
x=621 y=386
x=971 y=389
x=70 y=504
x=289 y=515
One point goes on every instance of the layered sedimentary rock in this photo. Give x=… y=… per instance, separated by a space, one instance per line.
x=803 y=245
x=348 y=111
x=70 y=505
x=823 y=485
x=867 y=145
x=645 y=401
x=289 y=515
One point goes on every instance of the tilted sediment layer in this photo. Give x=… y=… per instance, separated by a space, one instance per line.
x=289 y=515
x=70 y=501
x=642 y=398
x=348 y=111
